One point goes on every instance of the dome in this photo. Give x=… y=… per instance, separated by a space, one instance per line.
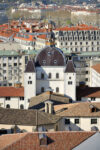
x=50 y=56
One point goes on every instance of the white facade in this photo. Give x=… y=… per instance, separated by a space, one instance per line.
x=78 y=41
x=30 y=87
x=85 y=124
x=12 y=102
x=55 y=77
x=95 y=78
x=70 y=85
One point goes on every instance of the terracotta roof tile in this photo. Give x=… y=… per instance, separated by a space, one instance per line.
x=55 y=141
x=81 y=109
x=11 y=92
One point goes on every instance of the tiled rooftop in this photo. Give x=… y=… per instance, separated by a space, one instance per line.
x=55 y=141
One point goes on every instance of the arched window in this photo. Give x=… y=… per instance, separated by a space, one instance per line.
x=21 y=106
x=42 y=89
x=49 y=76
x=7 y=106
x=57 y=75
x=57 y=89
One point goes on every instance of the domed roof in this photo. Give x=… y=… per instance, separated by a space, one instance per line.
x=50 y=56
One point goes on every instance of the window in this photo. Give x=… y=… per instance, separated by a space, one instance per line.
x=57 y=89
x=21 y=106
x=69 y=82
x=42 y=89
x=67 y=121
x=29 y=82
x=86 y=79
x=7 y=106
x=29 y=77
x=10 y=84
x=4 y=71
x=76 y=49
x=15 y=57
x=69 y=77
x=55 y=61
x=49 y=76
x=42 y=75
x=44 y=62
x=4 y=65
x=75 y=43
x=7 y=98
x=21 y=98
x=9 y=58
x=28 y=100
x=26 y=59
x=49 y=53
x=92 y=98
x=57 y=75
x=76 y=121
x=86 y=72
x=93 y=121
x=15 y=64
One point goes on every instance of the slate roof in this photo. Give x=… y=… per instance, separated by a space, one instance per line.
x=50 y=56
x=69 y=67
x=30 y=67
x=57 y=98
x=26 y=117
x=81 y=109
x=55 y=140
x=11 y=92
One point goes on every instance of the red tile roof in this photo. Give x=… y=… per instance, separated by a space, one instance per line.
x=11 y=92
x=55 y=141
x=43 y=36
x=79 y=27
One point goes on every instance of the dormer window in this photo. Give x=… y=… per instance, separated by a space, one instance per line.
x=55 y=61
x=92 y=108
x=44 y=61
x=49 y=53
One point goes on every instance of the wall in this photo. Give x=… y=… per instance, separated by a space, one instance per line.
x=84 y=124
x=52 y=82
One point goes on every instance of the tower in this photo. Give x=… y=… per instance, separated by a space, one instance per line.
x=70 y=80
x=29 y=82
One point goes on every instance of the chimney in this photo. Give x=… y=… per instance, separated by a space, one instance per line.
x=92 y=108
x=49 y=107
x=17 y=85
x=42 y=136
x=49 y=90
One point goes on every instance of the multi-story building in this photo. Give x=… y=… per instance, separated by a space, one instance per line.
x=12 y=66
x=83 y=62
x=50 y=70
x=81 y=38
